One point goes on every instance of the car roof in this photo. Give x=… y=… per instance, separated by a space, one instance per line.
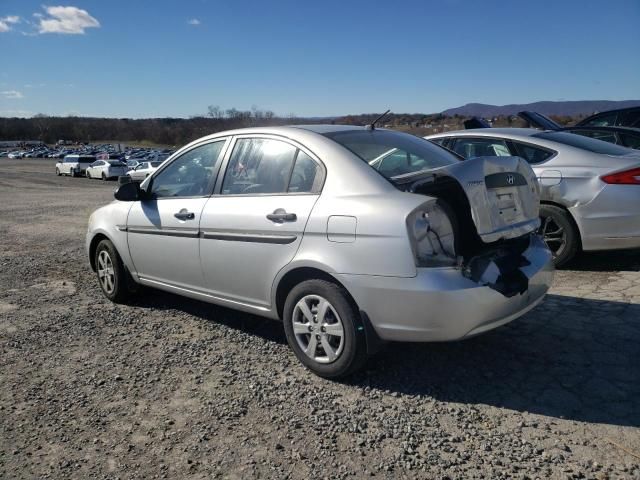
x=489 y=132
x=325 y=128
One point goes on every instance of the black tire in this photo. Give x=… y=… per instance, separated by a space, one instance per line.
x=58 y=171
x=104 y=177
x=353 y=354
x=122 y=281
x=559 y=233
x=87 y=174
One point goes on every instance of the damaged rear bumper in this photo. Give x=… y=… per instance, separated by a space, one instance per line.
x=442 y=304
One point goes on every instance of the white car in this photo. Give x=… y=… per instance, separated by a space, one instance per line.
x=143 y=170
x=16 y=155
x=74 y=165
x=106 y=169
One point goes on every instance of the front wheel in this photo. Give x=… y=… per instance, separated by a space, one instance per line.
x=559 y=233
x=324 y=329
x=87 y=174
x=112 y=275
x=58 y=171
x=104 y=177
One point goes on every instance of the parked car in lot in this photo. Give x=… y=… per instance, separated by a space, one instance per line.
x=590 y=190
x=74 y=165
x=623 y=117
x=293 y=223
x=16 y=154
x=143 y=170
x=106 y=169
x=623 y=136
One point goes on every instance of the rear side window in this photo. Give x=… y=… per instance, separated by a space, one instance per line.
x=532 y=154
x=306 y=175
x=268 y=166
x=481 y=147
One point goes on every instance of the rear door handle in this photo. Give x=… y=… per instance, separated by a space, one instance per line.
x=184 y=214
x=280 y=215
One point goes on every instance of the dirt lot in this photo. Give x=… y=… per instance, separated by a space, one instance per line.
x=170 y=387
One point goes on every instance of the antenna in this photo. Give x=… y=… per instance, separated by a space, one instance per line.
x=372 y=125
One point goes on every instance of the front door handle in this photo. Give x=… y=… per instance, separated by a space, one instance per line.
x=280 y=215
x=184 y=214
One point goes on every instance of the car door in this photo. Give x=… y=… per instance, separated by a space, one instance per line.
x=162 y=231
x=252 y=227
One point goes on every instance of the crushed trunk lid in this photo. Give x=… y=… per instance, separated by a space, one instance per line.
x=503 y=194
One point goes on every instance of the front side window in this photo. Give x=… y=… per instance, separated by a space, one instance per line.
x=190 y=175
x=532 y=154
x=481 y=147
x=259 y=165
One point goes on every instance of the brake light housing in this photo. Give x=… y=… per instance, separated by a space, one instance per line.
x=627 y=177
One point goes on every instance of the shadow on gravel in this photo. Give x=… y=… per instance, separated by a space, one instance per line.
x=610 y=261
x=569 y=358
x=270 y=330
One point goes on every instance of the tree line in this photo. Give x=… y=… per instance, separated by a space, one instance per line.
x=178 y=131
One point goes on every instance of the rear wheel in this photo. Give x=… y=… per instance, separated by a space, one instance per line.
x=112 y=274
x=559 y=233
x=104 y=177
x=324 y=329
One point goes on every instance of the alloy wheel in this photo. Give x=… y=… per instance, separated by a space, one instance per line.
x=105 y=272
x=318 y=329
x=554 y=235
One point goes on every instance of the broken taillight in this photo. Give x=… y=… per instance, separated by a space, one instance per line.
x=628 y=177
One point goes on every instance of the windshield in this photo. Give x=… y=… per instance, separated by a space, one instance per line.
x=393 y=153
x=585 y=143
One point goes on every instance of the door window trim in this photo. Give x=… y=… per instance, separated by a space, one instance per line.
x=217 y=192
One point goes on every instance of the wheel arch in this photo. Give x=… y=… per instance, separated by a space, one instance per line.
x=301 y=273
x=97 y=238
x=573 y=220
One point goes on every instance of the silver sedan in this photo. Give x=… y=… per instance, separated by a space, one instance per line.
x=293 y=223
x=590 y=189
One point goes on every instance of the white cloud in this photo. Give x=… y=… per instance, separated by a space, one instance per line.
x=6 y=22
x=194 y=22
x=66 y=20
x=12 y=94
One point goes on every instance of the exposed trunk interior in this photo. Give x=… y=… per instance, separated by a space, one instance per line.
x=496 y=264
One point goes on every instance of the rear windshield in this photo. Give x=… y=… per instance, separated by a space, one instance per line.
x=87 y=159
x=116 y=163
x=585 y=143
x=393 y=153
x=155 y=164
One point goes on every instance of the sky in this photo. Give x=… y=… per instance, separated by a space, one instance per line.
x=166 y=58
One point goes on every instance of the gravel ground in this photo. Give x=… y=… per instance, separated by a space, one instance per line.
x=170 y=387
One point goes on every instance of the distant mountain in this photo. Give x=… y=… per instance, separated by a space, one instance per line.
x=581 y=107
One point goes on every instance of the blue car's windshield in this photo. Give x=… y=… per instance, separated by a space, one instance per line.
x=393 y=153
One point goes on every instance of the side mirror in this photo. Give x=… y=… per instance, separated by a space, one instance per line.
x=127 y=191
